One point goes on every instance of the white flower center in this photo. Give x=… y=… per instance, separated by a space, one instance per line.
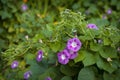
x=14 y=65
x=39 y=56
x=28 y=75
x=63 y=57
x=74 y=44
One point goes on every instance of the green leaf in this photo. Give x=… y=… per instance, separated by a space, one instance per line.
x=80 y=57
x=86 y=37
x=115 y=37
x=52 y=72
x=106 y=41
x=86 y=74
x=95 y=47
x=38 y=37
x=20 y=74
x=118 y=6
x=47 y=33
x=5 y=14
x=114 y=76
x=89 y=59
x=106 y=65
x=108 y=52
x=108 y=76
x=29 y=57
x=114 y=2
x=52 y=58
x=36 y=69
x=66 y=78
x=93 y=9
x=69 y=71
x=55 y=46
x=102 y=23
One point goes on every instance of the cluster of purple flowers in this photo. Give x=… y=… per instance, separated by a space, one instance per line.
x=70 y=52
x=15 y=64
x=27 y=74
x=108 y=12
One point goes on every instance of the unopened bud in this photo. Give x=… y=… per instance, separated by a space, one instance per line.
x=40 y=41
x=118 y=49
x=27 y=37
x=109 y=59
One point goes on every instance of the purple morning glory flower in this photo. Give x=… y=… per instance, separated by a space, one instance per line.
x=39 y=56
x=92 y=26
x=27 y=75
x=109 y=11
x=72 y=54
x=24 y=7
x=48 y=78
x=14 y=64
x=74 y=44
x=63 y=57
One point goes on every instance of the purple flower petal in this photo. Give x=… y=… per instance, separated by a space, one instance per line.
x=39 y=56
x=92 y=26
x=74 y=44
x=24 y=7
x=48 y=78
x=73 y=55
x=14 y=64
x=27 y=74
x=109 y=11
x=63 y=57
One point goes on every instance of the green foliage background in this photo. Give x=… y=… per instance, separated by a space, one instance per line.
x=48 y=25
